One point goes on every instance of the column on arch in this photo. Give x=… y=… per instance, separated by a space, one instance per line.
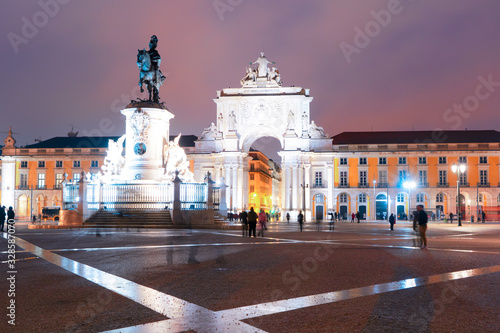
x=236 y=186
x=295 y=185
x=330 y=184
x=307 y=191
x=229 y=196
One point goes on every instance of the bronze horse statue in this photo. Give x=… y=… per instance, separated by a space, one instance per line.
x=153 y=77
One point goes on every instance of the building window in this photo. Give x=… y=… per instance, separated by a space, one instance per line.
x=422 y=177
x=420 y=197
x=252 y=167
x=402 y=176
x=24 y=164
x=462 y=159
x=362 y=198
x=59 y=164
x=402 y=160
x=382 y=160
x=76 y=164
x=362 y=161
x=252 y=176
x=23 y=180
x=252 y=188
x=59 y=179
x=440 y=197
x=422 y=160
x=382 y=177
x=343 y=161
x=400 y=197
x=483 y=177
x=442 y=159
x=94 y=164
x=362 y=178
x=41 y=180
x=483 y=159
x=41 y=164
x=343 y=198
x=318 y=178
x=76 y=177
x=343 y=178
x=442 y=177
x=463 y=178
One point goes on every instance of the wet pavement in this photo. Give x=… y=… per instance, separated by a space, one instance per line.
x=358 y=278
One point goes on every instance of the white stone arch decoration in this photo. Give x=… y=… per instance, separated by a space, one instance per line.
x=263 y=107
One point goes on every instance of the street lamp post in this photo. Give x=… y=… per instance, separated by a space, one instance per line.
x=374 y=201
x=458 y=170
x=409 y=185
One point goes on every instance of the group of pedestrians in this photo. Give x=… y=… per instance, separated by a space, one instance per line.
x=249 y=222
x=9 y=216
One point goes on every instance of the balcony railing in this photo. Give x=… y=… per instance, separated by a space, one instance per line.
x=322 y=185
x=363 y=185
x=483 y=184
x=344 y=185
x=464 y=184
x=382 y=185
x=442 y=185
x=423 y=184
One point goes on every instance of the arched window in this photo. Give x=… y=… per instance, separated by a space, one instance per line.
x=381 y=196
x=343 y=197
x=400 y=197
x=440 y=197
x=420 y=197
x=362 y=197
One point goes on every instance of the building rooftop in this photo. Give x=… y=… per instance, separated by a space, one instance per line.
x=95 y=142
x=417 y=137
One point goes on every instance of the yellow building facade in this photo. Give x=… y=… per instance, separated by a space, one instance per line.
x=383 y=173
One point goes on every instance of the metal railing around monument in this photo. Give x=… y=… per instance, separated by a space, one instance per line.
x=122 y=197
x=194 y=196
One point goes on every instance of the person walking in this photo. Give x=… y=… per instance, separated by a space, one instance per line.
x=2 y=217
x=262 y=222
x=332 y=221
x=353 y=216
x=483 y=216
x=288 y=218
x=300 y=219
x=451 y=217
x=392 y=221
x=358 y=216
x=252 y=222
x=422 y=223
x=244 y=222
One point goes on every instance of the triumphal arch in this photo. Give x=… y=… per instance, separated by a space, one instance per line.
x=263 y=107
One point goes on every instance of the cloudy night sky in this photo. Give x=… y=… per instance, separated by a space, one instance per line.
x=79 y=64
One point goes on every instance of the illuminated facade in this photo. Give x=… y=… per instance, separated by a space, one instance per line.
x=371 y=169
x=264 y=183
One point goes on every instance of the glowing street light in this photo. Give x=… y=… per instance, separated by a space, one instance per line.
x=458 y=170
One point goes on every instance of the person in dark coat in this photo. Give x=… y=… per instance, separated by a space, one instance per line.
x=244 y=222
x=392 y=221
x=10 y=215
x=422 y=223
x=2 y=217
x=300 y=219
x=252 y=222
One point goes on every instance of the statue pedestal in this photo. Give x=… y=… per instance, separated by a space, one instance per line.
x=147 y=131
